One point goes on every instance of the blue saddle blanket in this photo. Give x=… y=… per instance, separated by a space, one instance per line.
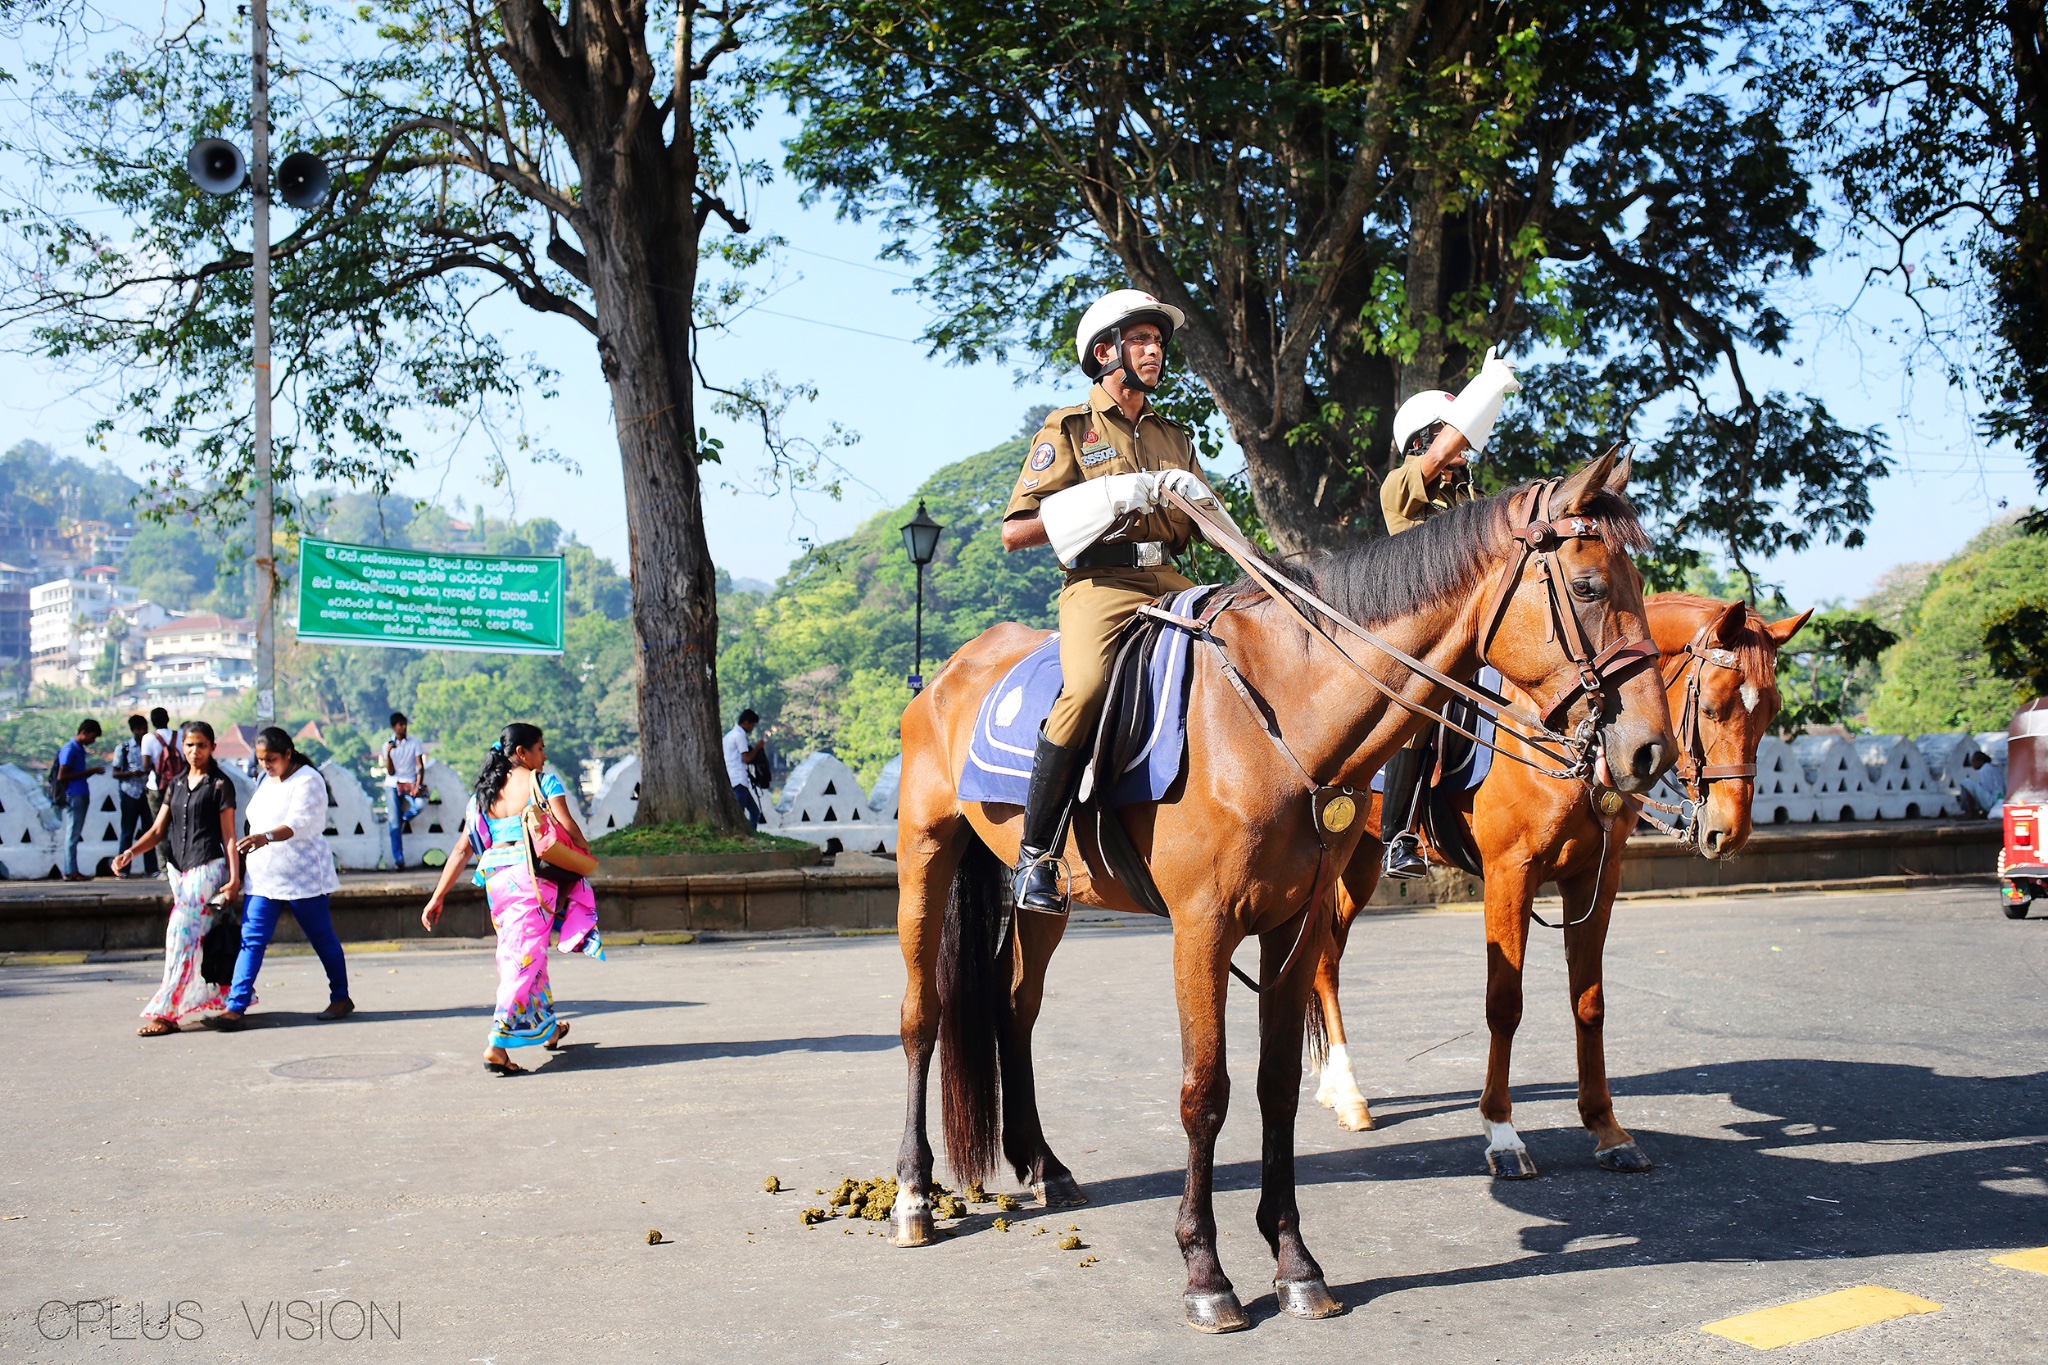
x=998 y=764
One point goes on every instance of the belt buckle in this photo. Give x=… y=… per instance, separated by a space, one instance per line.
x=1150 y=554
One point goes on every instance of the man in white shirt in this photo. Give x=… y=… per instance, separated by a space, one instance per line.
x=738 y=749
x=160 y=743
x=405 y=782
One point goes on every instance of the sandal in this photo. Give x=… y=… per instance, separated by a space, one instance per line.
x=554 y=1044
x=157 y=1028
x=506 y=1068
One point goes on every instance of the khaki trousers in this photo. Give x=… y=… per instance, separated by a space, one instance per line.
x=1092 y=610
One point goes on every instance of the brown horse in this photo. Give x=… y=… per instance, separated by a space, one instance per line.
x=1241 y=847
x=1719 y=665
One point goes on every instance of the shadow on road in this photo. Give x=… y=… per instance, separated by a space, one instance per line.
x=1840 y=1159
x=589 y=1056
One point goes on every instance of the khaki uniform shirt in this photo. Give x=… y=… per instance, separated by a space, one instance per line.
x=1407 y=499
x=1094 y=439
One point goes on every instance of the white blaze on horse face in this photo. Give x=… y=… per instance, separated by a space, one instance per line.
x=1500 y=1137
x=1751 y=695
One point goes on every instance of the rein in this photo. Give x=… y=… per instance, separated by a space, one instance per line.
x=1335 y=809
x=1535 y=535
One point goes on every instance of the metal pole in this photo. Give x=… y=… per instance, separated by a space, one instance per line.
x=259 y=184
x=917 y=683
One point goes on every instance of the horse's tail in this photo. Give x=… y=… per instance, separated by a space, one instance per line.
x=974 y=1006
x=1318 y=1034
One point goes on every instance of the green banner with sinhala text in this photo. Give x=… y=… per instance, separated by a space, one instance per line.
x=422 y=599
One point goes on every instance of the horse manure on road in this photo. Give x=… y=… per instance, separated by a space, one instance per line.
x=654 y=1237
x=810 y=1216
x=974 y=1194
x=1007 y=1203
x=1001 y=1225
x=772 y=1185
x=1070 y=1243
x=946 y=1206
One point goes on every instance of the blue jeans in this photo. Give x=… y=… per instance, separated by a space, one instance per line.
x=135 y=820
x=401 y=809
x=747 y=804
x=259 y=922
x=74 y=829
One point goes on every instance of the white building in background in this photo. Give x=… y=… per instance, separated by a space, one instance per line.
x=60 y=610
x=198 y=656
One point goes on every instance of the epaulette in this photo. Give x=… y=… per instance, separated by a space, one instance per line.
x=1059 y=415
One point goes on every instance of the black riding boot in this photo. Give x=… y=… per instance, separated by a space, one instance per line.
x=1054 y=772
x=1400 y=807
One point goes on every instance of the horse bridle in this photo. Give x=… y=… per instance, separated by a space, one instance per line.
x=1692 y=766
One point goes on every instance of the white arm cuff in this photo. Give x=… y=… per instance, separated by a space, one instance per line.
x=1077 y=517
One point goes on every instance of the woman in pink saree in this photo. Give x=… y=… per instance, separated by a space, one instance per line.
x=526 y=901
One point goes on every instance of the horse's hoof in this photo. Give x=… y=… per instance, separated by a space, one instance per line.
x=912 y=1228
x=1060 y=1192
x=1306 y=1298
x=1355 y=1117
x=1511 y=1164
x=1216 y=1312
x=1622 y=1156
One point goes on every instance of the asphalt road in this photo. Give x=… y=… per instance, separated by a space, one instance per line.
x=1837 y=1090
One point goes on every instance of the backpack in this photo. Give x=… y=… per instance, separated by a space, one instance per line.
x=52 y=785
x=170 y=762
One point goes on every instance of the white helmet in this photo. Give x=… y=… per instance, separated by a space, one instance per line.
x=1111 y=312
x=1424 y=409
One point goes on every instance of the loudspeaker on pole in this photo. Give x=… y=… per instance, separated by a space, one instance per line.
x=302 y=180
x=216 y=165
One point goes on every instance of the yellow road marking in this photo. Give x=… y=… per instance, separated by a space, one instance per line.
x=42 y=959
x=1846 y=1309
x=2035 y=1260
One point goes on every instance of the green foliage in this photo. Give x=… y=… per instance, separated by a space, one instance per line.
x=1351 y=203
x=32 y=738
x=42 y=489
x=658 y=841
x=1940 y=676
x=823 y=657
x=1824 y=674
x=1930 y=118
x=2016 y=642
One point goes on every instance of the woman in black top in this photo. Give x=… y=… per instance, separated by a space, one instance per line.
x=196 y=827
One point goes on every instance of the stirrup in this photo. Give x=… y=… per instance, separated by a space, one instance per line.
x=1404 y=860
x=1027 y=871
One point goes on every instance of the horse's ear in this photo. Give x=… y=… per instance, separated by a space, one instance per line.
x=1617 y=482
x=1728 y=626
x=1580 y=488
x=1783 y=631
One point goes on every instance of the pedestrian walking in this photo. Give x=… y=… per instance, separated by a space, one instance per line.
x=196 y=827
x=131 y=770
x=71 y=793
x=286 y=866
x=740 y=751
x=405 y=782
x=527 y=896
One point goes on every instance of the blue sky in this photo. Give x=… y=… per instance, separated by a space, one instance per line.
x=845 y=322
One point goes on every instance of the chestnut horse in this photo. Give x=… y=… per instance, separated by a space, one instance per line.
x=1719 y=666
x=1240 y=847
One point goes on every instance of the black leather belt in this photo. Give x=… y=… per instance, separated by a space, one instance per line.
x=1130 y=555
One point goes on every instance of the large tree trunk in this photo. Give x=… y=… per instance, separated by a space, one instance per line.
x=642 y=274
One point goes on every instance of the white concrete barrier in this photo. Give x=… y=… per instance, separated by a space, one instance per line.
x=1781 y=795
x=1899 y=779
x=1836 y=779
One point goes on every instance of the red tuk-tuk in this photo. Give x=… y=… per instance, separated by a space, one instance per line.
x=2022 y=863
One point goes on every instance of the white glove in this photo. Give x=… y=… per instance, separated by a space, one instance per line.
x=1190 y=486
x=1474 y=411
x=1077 y=517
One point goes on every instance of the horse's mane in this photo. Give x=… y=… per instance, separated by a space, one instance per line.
x=1390 y=577
x=1755 y=650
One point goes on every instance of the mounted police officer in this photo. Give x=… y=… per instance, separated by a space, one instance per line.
x=1434 y=431
x=1093 y=486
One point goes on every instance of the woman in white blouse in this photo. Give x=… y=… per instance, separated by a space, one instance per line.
x=286 y=865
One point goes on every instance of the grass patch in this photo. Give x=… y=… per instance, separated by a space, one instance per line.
x=667 y=841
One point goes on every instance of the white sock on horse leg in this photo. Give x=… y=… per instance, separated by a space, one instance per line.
x=1337 y=1082
x=1500 y=1137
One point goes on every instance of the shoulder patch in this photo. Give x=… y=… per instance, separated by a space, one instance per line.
x=1042 y=456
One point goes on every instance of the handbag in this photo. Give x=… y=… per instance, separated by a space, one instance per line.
x=220 y=947
x=550 y=853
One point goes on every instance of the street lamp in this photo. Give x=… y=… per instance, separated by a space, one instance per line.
x=921 y=539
